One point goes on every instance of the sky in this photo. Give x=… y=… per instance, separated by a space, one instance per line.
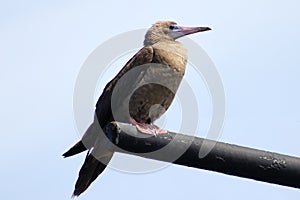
x=254 y=46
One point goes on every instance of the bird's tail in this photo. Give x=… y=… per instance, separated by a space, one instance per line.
x=90 y=170
x=95 y=161
x=77 y=148
x=87 y=141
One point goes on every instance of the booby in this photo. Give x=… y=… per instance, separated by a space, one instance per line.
x=140 y=98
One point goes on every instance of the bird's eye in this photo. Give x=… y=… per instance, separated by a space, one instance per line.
x=172 y=27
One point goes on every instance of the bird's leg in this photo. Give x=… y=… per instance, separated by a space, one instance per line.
x=147 y=128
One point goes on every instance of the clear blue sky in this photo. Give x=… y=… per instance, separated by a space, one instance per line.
x=254 y=44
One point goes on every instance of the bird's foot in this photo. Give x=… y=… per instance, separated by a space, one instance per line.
x=150 y=129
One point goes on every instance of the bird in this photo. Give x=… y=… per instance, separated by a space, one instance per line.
x=139 y=94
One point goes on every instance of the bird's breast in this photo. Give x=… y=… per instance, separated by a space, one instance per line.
x=173 y=55
x=155 y=91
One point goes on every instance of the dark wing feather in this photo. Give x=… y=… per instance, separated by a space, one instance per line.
x=92 y=168
x=103 y=106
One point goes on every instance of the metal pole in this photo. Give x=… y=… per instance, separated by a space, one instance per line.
x=224 y=158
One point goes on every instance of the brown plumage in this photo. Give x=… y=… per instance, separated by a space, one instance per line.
x=141 y=92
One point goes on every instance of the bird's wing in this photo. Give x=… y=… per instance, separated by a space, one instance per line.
x=89 y=171
x=103 y=106
x=94 y=164
x=97 y=160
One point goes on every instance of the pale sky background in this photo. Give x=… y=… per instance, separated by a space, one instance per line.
x=254 y=44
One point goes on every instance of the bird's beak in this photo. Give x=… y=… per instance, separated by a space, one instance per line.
x=182 y=31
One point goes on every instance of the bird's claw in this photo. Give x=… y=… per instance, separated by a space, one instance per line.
x=150 y=129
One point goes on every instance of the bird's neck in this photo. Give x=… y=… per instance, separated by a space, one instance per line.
x=173 y=47
x=173 y=53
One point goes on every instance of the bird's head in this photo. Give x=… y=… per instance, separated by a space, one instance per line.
x=169 y=30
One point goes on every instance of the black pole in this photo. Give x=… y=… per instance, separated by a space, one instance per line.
x=225 y=158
